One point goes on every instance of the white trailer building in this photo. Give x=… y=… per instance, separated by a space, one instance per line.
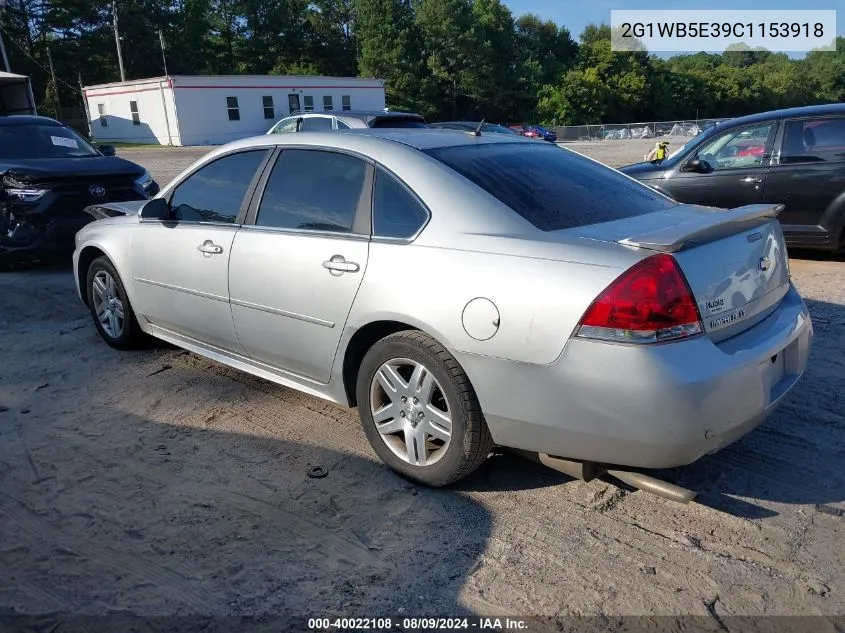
x=16 y=94
x=212 y=110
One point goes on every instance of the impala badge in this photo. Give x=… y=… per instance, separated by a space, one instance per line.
x=765 y=263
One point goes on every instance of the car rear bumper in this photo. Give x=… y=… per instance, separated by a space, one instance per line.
x=654 y=406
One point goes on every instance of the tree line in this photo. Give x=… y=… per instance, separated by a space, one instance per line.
x=447 y=59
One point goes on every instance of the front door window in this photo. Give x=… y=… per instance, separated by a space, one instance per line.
x=744 y=147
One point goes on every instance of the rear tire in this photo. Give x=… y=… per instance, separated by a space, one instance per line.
x=110 y=308
x=419 y=410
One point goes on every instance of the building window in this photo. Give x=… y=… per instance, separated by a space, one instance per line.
x=327 y=102
x=133 y=108
x=309 y=103
x=269 y=110
x=346 y=102
x=234 y=110
x=101 y=108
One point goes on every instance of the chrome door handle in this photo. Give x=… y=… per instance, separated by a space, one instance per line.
x=751 y=179
x=209 y=248
x=338 y=265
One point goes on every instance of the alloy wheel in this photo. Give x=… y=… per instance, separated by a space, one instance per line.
x=107 y=304
x=410 y=411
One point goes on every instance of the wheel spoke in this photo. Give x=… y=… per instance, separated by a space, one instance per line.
x=118 y=309
x=113 y=324
x=425 y=388
x=101 y=308
x=390 y=380
x=387 y=412
x=110 y=285
x=415 y=445
x=393 y=426
x=437 y=431
x=440 y=417
x=99 y=288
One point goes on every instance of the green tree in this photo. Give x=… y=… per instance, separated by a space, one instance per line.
x=388 y=44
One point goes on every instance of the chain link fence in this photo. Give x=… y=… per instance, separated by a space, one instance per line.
x=619 y=131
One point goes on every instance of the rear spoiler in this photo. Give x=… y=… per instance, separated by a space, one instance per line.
x=698 y=227
x=113 y=209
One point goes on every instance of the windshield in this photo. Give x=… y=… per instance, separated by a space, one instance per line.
x=552 y=188
x=42 y=141
x=398 y=122
x=695 y=139
x=498 y=129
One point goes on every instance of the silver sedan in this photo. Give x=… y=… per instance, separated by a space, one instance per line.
x=463 y=291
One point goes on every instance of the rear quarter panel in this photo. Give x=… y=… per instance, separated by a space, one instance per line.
x=539 y=301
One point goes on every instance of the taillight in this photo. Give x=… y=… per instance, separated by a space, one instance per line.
x=649 y=303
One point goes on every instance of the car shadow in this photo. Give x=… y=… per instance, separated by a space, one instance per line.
x=123 y=518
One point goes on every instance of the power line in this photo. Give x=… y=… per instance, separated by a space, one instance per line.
x=35 y=61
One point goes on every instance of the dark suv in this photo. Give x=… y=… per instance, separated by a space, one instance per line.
x=795 y=157
x=48 y=175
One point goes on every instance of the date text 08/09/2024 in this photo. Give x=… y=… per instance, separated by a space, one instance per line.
x=416 y=624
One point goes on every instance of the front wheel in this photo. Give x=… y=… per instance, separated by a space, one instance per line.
x=419 y=410
x=109 y=306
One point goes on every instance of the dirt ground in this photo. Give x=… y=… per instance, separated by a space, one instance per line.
x=160 y=483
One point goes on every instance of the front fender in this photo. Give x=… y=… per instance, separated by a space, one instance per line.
x=112 y=238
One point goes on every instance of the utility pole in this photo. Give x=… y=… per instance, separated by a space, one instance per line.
x=3 y=50
x=117 y=41
x=55 y=85
x=163 y=58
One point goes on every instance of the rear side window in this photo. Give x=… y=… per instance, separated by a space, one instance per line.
x=552 y=188
x=312 y=123
x=215 y=192
x=312 y=190
x=396 y=213
x=814 y=140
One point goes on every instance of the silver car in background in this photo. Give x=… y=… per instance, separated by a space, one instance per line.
x=462 y=291
x=346 y=120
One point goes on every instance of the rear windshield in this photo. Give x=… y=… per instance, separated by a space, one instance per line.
x=398 y=122
x=33 y=140
x=551 y=187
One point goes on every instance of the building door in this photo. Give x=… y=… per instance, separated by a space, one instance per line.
x=293 y=103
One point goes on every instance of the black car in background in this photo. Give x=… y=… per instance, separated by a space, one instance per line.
x=48 y=175
x=794 y=157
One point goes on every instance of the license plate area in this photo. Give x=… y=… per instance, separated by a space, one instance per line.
x=776 y=371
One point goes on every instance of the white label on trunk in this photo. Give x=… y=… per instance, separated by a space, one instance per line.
x=64 y=142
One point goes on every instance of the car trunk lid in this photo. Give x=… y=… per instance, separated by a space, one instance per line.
x=735 y=260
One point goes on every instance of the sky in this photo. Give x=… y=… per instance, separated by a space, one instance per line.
x=576 y=14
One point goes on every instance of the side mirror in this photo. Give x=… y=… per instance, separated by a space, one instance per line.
x=106 y=150
x=699 y=165
x=156 y=209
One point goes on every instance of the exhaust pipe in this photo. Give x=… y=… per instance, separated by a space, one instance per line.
x=587 y=471
x=653 y=485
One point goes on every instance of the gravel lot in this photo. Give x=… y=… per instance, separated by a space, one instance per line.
x=160 y=483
